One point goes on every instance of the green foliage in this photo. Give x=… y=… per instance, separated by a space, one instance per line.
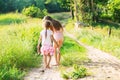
x=111 y=44
x=18 y=48
x=40 y=4
x=34 y=12
x=98 y=38
x=70 y=26
x=11 y=18
x=55 y=6
x=64 y=3
x=78 y=72
x=19 y=5
x=13 y=5
x=65 y=75
x=116 y=14
x=114 y=9
x=20 y=51
x=70 y=49
x=11 y=73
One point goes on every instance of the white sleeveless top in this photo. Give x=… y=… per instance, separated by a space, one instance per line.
x=47 y=40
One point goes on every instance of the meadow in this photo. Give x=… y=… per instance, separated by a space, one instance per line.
x=18 y=40
x=98 y=37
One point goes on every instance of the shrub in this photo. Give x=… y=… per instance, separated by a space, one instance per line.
x=21 y=51
x=116 y=14
x=18 y=52
x=34 y=12
x=10 y=73
x=77 y=72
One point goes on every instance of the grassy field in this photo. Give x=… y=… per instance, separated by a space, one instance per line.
x=73 y=53
x=18 y=41
x=98 y=37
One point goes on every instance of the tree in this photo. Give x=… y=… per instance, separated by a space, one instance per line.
x=40 y=4
x=55 y=5
x=1 y=6
x=69 y=5
x=114 y=10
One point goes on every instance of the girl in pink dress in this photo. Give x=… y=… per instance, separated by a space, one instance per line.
x=58 y=35
x=46 y=39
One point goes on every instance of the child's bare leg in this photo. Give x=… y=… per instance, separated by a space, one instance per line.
x=55 y=54
x=58 y=58
x=59 y=55
x=48 y=64
x=45 y=60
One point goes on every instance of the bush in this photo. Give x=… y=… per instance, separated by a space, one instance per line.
x=34 y=12
x=116 y=14
x=11 y=73
x=78 y=72
x=21 y=51
x=18 y=52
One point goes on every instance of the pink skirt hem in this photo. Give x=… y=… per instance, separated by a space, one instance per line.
x=47 y=49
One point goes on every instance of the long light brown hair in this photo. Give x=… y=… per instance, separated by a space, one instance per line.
x=56 y=24
x=47 y=24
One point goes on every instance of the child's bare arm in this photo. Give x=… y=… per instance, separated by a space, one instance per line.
x=38 y=46
x=54 y=40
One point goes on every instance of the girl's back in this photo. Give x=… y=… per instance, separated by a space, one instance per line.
x=46 y=39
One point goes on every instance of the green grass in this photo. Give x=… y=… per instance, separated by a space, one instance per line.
x=11 y=18
x=73 y=56
x=76 y=72
x=73 y=53
x=18 y=43
x=98 y=37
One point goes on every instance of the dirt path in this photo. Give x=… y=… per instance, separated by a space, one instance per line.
x=103 y=67
x=49 y=74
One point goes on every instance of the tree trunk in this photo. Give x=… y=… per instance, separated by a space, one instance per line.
x=76 y=10
x=92 y=8
x=109 y=31
x=72 y=13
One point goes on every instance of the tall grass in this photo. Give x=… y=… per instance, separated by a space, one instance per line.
x=98 y=38
x=18 y=43
x=7 y=19
x=73 y=53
